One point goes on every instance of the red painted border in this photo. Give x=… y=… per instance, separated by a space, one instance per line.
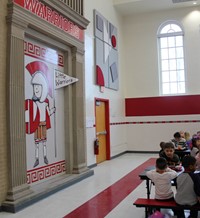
x=40 y=173
x=106 y=101
x=38 y=51
x=161 y=106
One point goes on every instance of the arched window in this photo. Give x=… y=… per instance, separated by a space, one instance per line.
x=171 y=58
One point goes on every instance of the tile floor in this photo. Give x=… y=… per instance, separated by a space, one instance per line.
x=67 y=201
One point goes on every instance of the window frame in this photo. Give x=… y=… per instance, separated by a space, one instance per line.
x=171 y=34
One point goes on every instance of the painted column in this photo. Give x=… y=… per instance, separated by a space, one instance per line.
x=79 y=123
x=16 y=120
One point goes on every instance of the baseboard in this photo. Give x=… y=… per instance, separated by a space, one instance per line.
x=92 y=166
x=143 y=152
x=118 y=155
x=134 y=152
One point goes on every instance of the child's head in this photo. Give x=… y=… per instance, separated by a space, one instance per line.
x=177 y=136
x=169 y=149
x=196 y=141
x=162 y=144
x=161 y=163
x=187 y=136
x=189 y=163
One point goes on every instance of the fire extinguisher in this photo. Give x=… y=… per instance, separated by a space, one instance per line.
x=96 y=146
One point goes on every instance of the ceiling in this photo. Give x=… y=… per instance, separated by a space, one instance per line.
x=130 y=7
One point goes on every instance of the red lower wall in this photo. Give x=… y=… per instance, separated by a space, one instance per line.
x=165 y=105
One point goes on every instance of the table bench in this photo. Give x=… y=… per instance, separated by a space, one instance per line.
x=150 y=204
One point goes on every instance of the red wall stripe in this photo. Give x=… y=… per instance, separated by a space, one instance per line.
x=165 y=105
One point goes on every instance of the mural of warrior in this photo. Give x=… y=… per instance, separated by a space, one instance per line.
x=39 y=112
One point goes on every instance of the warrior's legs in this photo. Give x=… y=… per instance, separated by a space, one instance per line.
x=36 y=155
x=45 y=153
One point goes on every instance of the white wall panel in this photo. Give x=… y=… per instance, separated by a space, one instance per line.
x=147 y=136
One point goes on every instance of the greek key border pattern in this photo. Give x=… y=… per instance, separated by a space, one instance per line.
x=44 y=172
x=43 y=53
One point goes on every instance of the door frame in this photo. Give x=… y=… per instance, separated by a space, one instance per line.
x=107 y=120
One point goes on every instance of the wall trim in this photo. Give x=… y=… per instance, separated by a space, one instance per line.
x=136 y=152
x=118 y=155
x=92 y=166
x=143 y=152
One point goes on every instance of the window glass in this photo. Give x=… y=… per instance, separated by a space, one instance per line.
x=165 y=76
x=173 y=87
x=172 y=52
x=165 y=88
x=163 y=43
x=181 y=87
x=165 y=65
x=181 y=75
x=164 y=53
x=180 y=63
x=165 y=29
x=173 y=76
x=172 y=64
x=176 y=28
x=179 y=52
x=171 y=41
x=179 y=41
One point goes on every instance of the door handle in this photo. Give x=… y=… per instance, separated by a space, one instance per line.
x=101 y=133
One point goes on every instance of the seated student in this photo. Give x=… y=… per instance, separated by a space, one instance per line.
x=179 y=142
x=162 y=144
x=169 y=155
x=198 y=154
x=188 y=186
x=162 y=177
x=195 y=145
x=188 y=139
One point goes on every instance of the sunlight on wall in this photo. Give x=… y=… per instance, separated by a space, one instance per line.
x=193 y=16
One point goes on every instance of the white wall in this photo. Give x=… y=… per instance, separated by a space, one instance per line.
x=141 y=50
x=147 y=137
x=118 y=137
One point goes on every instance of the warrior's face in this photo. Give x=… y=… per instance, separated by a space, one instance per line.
x=40 y=87
x=37 y=89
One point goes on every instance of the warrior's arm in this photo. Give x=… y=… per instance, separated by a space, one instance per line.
x=50 y=110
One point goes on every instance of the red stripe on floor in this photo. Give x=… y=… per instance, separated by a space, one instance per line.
x=100 y=205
